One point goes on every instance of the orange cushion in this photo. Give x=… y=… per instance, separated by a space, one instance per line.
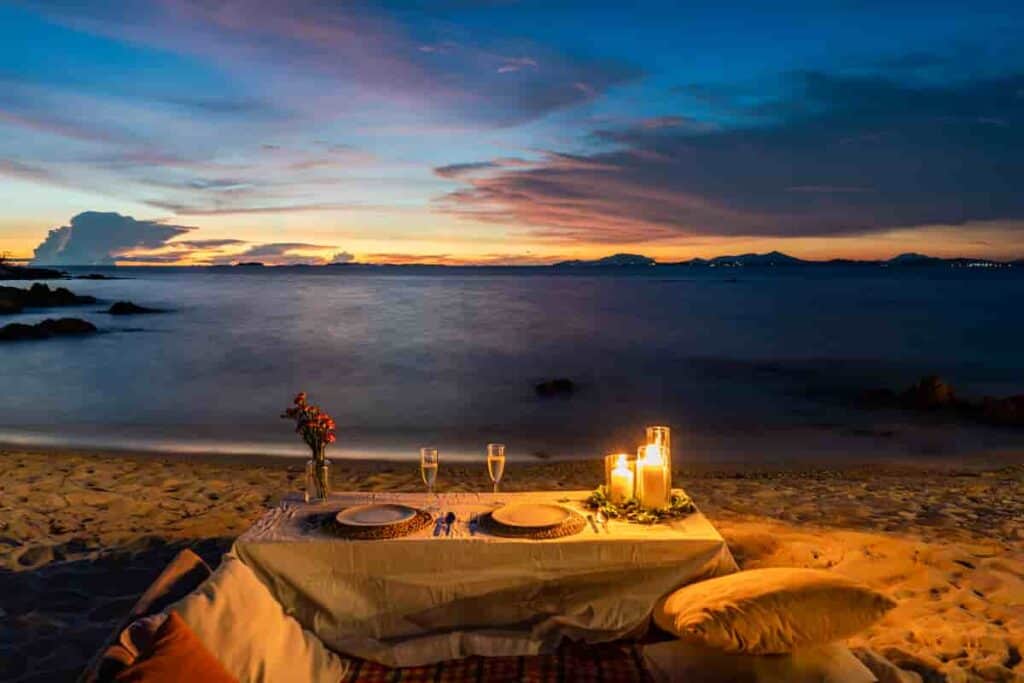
x=177 y=655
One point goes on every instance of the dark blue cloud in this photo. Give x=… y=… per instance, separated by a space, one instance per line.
x=838 y=155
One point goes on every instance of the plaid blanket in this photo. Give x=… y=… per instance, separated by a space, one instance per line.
x=608 y=663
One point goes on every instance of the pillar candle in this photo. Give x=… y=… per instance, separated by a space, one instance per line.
x=653 y=480
x=620 y=486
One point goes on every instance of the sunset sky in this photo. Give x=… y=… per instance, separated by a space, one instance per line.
x=508 y=132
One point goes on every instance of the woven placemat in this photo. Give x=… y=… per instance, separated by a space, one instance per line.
x=326 y=522
x=570 y=527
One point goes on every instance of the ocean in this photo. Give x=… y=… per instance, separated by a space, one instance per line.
x=748 y=364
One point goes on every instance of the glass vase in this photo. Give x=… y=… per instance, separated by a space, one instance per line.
x=318 y=479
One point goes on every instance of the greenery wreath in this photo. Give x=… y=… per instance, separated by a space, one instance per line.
x=679 y=506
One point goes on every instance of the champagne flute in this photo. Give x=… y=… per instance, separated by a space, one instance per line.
x=429 y=462
x=495 y=462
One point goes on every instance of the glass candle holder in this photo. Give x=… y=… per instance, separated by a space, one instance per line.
x=620 y=477
x=653 y=476
x=660 y=436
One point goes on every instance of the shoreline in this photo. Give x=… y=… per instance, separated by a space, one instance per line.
x=83 y=532
x=939 y=445
x=363 y=460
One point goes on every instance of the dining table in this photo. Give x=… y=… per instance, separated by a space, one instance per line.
x=445 y=593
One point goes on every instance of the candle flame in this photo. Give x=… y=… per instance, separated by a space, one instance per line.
x=621 y=463
x=652 y=455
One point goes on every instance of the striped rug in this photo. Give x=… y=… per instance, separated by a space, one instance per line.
x=607 y=663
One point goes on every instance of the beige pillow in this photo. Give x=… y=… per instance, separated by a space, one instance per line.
x=770 y=611
x=240 y=622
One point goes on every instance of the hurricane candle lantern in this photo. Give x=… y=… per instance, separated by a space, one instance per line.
x=654 y=469
x=619 y=477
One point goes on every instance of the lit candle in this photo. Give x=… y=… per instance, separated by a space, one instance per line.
x=620 y=485
x=653 y=479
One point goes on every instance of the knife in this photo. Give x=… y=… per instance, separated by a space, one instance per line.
x=449 y=520
x=590 y=518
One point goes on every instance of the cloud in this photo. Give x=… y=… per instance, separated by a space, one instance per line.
x=95 y=238
x=342 y=257
x=398 y=259
x=456 y=171
x=161 y=258
x=207 y=244
x=352 y=47
x=17 y=169
x=513 y=64
x=837 y=155
x=229 y=106
x=54 y=126
x=186 y=210
x=281 y=253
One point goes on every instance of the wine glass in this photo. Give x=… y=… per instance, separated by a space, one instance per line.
x=429 y=462
x=495 y=462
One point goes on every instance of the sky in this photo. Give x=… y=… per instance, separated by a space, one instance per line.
x=505 y=132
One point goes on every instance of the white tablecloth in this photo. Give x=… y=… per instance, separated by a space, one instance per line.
x=421 y=599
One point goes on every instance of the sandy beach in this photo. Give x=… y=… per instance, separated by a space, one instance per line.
x=82 y=534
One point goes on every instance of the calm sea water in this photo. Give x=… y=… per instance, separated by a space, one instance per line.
x=743 y=363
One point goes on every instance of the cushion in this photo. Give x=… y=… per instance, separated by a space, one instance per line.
x=176 y=655
x=240 y=622
x=688 y=663
x=770 y=611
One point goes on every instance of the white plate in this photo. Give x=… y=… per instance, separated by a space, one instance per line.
x=379 y=514
x=531 y=515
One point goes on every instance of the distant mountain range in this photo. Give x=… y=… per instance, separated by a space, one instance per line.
x=778 y=259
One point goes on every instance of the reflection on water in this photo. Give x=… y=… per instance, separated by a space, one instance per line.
x=403 y=358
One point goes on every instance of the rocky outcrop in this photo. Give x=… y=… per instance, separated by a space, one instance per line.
x=61 y=327
x=129 y=308
x=932 y=394
x=1003 y=411
x=555 y=387
x=929 y=393
x=9 y=272
x=14 y=299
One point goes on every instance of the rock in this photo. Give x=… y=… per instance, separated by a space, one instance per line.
x=555 y=387
x=929 y=393
x=46 y=329
x=13 y=299
x=1003 y=411
x=35 y=555
x=9 y=306
x=128 y=308
x=11 y=272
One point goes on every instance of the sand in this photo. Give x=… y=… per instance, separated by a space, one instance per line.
x=82 y=534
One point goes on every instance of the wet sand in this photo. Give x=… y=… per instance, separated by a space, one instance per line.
x=82 y=534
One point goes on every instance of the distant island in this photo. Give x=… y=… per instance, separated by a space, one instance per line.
x=776 y=259
x=772 y=259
